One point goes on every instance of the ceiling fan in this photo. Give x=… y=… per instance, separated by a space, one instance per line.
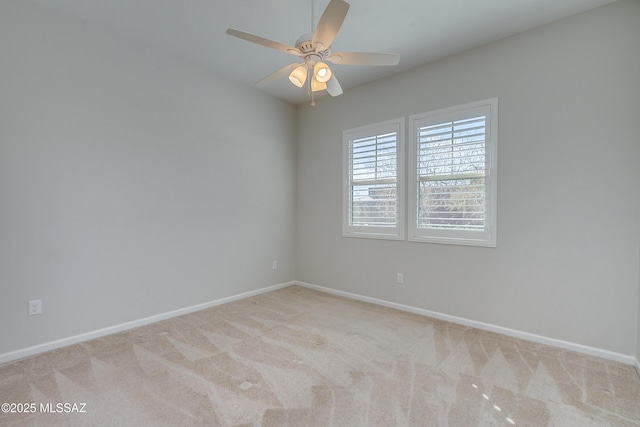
x=313 y=49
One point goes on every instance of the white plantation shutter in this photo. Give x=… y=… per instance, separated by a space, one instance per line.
x=451 y=170
x=372 y=187
x=453 y=192
x=372 y=192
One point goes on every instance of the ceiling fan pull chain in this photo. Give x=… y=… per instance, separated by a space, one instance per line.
x=310 y=91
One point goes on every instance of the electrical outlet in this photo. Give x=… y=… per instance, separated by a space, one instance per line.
x=35 y=307
x=274 y=264
x=400 y=278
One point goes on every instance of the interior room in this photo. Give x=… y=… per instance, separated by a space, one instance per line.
x=146 y=182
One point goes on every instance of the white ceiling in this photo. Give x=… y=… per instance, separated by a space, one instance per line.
x=419 y=30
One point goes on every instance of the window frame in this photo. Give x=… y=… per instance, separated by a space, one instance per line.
x=372 y=232
x=487 y=237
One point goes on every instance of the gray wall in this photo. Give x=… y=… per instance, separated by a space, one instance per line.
x=131 y=183
x=566 y=264
x=127 y=187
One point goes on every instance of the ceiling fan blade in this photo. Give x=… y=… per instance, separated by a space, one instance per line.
x=330 y=23
x=364 y=58
x=263 y=41
x=278 y=74
x=333 y=86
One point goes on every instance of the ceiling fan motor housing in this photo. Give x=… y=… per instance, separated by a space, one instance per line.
x=305 y=45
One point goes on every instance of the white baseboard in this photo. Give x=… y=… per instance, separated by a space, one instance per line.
x=51 y=345
x=579 y=348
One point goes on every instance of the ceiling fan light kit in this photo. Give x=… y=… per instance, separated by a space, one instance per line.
x=314 y=49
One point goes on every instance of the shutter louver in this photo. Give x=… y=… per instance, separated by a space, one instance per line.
x=373 y=181
x=451 y=175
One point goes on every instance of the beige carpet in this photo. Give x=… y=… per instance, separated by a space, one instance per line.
x=296 y=357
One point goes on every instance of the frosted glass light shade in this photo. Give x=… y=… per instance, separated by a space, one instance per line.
x=322 y=72
x=317 y=86
x=298 y=76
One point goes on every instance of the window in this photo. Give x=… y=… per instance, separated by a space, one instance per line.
x=373 y=192
x=452 y=186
